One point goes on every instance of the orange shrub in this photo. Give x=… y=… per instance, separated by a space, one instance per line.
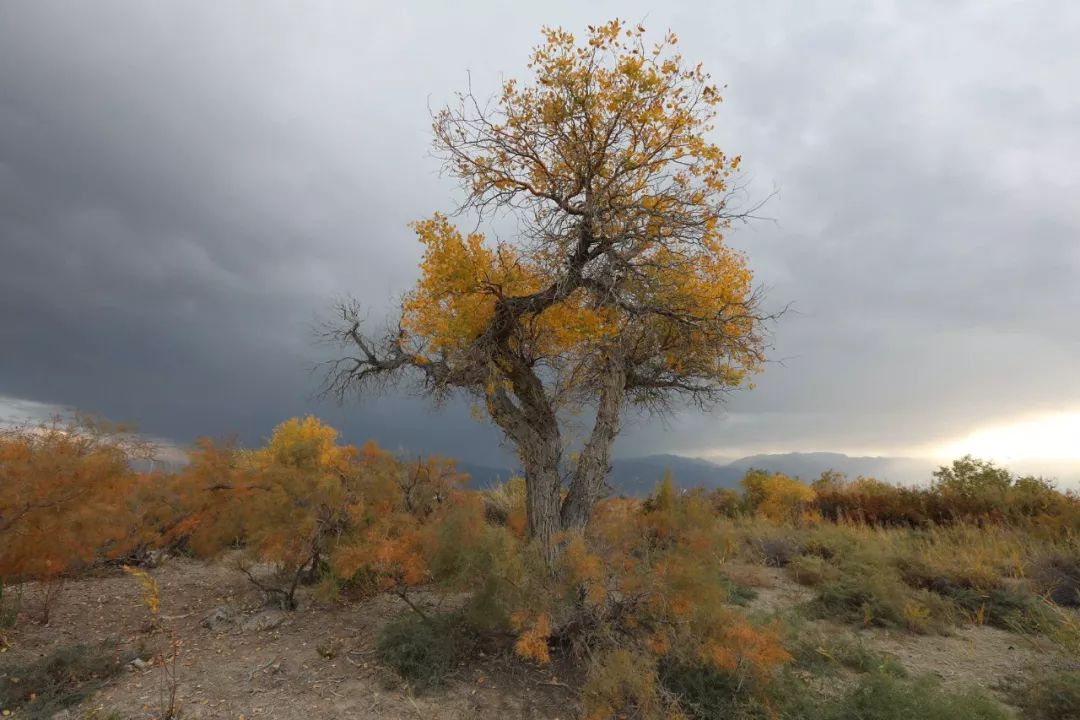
x=63 y=491
x=778 y=497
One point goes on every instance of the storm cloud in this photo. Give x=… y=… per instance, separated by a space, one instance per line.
x=185 y=189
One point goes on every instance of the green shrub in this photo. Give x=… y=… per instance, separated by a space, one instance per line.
x=704 y=693
x=821 y=653
x=738 y=594
x=59 y=680
x=424 y=650
x=1008 y=608
x=1051 y=697
x=875 y=596
x=879 y=696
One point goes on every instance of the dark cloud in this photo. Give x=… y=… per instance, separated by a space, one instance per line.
x=185 y=189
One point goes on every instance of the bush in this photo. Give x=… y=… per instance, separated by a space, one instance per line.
x=1051 y=697
x=1057 y=576
x=813 y=571
x=875 y=596
x=63 y=493
x=778 y=497
x=59 y=680
x=985 y=600
x=777 y=547
x=822 y=653
x=879 y=696
x=704 y=692
x=424 y=650
x=621 y=684
x=967 y=491
x=738 y=594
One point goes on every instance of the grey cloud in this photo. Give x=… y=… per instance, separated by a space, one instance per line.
x=184 y=190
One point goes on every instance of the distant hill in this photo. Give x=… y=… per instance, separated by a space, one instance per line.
x=809 y=466
x=637 y=476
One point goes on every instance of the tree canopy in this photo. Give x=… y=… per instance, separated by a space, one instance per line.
x=618 y=288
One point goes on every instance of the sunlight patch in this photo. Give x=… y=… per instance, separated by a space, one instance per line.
x=1053 y=436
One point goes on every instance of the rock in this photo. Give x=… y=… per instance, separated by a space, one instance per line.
x=265 y=620
x=140 y=664
x=63 y=715
x=220 y=617
x=155 y=558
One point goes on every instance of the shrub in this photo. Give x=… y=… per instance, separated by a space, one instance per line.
x=726 y=502
x=62 y=679
x=1051 y=697
x=984 y=598
x=873 y=595
x=1056 y=575
x=967 y=491
x=738 y=594
x=813 y=571
x=423 y=650
x=775 y=547
x=778 y=497
x=819 y=652
x=879 y=696
x=621 y=683
x=704 y=692
x=62 y=499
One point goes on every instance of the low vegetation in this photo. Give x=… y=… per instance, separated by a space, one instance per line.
x=643 y=602
x=59 y=680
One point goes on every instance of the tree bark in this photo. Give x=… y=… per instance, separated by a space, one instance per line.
x=594 y=463
x=542 y=491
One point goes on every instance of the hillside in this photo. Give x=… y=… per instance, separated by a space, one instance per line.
x=637 y=476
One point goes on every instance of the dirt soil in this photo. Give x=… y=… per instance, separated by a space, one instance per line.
x=314 y=663
x=318 y=662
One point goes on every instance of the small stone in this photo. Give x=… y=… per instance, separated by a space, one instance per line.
x=220 y=617
x=266 y=620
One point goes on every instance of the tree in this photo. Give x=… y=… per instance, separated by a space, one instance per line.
x=618 y=290
x=971 y=477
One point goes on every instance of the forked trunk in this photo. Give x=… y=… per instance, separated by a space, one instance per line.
x=594 y=463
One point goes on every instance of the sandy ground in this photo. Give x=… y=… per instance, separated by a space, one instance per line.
x=270 y=664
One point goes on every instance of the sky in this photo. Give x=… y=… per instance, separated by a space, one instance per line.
x=186 y=189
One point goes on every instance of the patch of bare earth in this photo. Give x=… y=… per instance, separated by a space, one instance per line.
x=314 y=663
x=775 y=590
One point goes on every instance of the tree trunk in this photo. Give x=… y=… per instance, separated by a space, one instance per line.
x=542 y=490
x=594 y=464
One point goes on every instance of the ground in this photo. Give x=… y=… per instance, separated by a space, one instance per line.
x=974 y=655
x=317 y=662
x=313 y=663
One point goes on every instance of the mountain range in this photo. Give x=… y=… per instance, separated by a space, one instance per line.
x=637 y=476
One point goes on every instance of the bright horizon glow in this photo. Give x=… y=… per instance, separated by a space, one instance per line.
x=1054 y=436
